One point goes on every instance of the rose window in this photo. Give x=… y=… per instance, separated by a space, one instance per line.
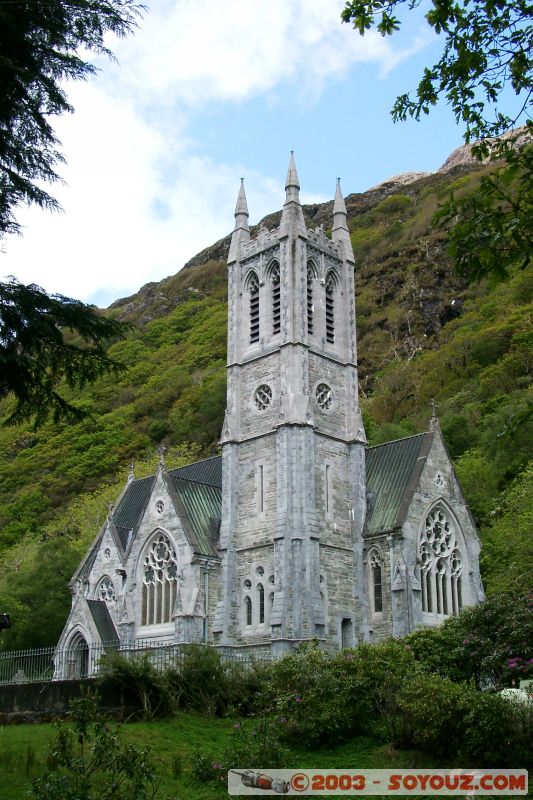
x=262 y=396
x=106 y=591
x=324 y=396
x=160 y=574
x=438 y=533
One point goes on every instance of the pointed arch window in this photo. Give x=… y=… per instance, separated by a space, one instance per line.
x=253 y=289
x=160 y=579
x=248 y=610
x=441 y=565
x=261 y=602
x=276 y=298
x=330 y=308
x=311 y=275
x=375 y=575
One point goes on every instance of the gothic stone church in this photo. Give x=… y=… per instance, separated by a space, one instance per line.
x=298 y=530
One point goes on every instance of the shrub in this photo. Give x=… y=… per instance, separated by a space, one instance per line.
x=203 y=682
x=497 y=731
x=429 y=714
x=490 y=643
x=206 y=768
x=316 y=697
x=256 y=746
x=145 y=688
x=88 y=761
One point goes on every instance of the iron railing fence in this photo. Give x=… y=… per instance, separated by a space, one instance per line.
x=63 y=663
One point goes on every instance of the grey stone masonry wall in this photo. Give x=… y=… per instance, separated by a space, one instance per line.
x=293 y=485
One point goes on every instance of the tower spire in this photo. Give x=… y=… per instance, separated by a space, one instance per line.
x=340 y=233
x=241 y=231
x=292 y=215
x=241 y=208
x=292 y=184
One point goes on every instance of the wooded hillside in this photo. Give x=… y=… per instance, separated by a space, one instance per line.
x=422 y=334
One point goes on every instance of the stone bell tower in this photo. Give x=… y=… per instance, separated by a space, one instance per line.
x=293 y=440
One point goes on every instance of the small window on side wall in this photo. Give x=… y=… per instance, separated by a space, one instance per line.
x=375 y=568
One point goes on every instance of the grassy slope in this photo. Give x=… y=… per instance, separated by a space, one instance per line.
x=24 y=749
x=422 y=333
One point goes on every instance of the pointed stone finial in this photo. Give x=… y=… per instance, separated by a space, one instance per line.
x=241 y=231
x=339 y=206
x=292 y=217
x=434 y=424
x=241 y=208
x=131 y=473
x=162 y=450
x=340 y=233
x=110 y=509
x=292 y=182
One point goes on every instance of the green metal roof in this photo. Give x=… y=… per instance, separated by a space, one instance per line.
x=392 y=472
x=131 y=507
x=201 y=505
x=87 y=565
x=208 y=471
x=102 y=619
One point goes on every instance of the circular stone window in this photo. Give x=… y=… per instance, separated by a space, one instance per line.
x=262 y=396
x=324 y=396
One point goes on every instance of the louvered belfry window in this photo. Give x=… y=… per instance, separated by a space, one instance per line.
x=253 y=288
x=330 y=309
x=310 y=304
x=276 y=300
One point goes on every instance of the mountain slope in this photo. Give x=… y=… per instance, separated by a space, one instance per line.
x=422 y=333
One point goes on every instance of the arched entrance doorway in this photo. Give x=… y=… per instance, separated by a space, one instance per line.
x=77 y=657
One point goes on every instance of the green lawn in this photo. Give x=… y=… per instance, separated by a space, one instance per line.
x=174 y=743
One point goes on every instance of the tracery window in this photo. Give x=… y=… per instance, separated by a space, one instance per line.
x=160 y=576
x=441 y=565
x=330 y=308
x=276 y=299
x=375 y=574
x=106 y=590
x=253 y=289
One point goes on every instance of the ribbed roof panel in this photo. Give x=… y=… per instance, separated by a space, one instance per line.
x=202 y=504
x=389 y=468
x=102 y=619
x=130 y=509
x=208 y=471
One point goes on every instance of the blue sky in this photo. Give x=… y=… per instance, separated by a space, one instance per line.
x=203 y=93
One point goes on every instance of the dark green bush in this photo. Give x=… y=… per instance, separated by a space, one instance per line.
x=144 y=688
x=200 y=681
x=204 y=682
x=256 y=746
x=316 y=697
x=429 y=713
x=497 y=732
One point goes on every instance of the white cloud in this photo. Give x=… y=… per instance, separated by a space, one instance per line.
x=204 y=50
x=126 y=221
x=142 y=197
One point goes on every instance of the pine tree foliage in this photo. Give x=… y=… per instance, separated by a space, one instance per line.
x=36 y=353
x=39 y=50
